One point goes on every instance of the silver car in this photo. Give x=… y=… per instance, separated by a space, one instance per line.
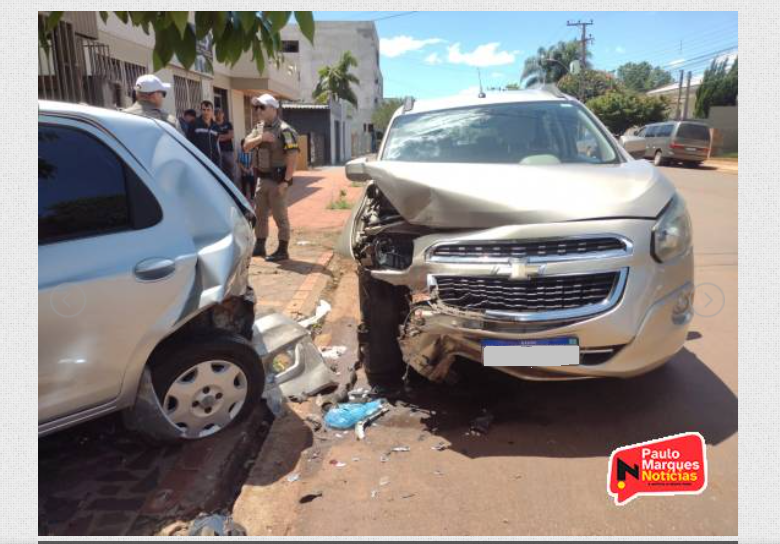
x=512 y=230
x=143 y=297
x=683 y=142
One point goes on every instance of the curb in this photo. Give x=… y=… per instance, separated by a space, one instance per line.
x=305 y=299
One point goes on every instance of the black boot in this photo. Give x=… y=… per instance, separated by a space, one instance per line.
x=259 y=250
x=280 y=254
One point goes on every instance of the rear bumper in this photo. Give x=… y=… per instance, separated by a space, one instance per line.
x=682 y=155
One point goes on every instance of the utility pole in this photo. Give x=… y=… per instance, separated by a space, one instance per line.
x=687 y=96
x=679 y=95
x=584 y=39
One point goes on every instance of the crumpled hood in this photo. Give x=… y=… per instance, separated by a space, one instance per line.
x=451 y=195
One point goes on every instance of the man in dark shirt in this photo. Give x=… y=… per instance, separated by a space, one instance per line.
x=187 y=119
x=227 y=153
x=204 y=133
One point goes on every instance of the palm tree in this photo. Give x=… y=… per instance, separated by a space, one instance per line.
x=335 y=81
x=539 y=69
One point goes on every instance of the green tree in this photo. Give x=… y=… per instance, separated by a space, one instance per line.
x=233 y=33
x=620 y=111
x=336 y=81
x=719 y=87
x=542 y=66
x=594 y=83
x=641 y=77
x=383 y=114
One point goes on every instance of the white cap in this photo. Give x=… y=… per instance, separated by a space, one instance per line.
x=265 y=100
x=151 y=84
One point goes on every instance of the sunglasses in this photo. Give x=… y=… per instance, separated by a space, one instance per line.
x=260 y=107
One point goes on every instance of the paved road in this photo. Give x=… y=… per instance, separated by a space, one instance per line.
x=542 y=467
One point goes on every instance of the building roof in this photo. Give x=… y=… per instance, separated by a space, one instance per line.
x=695 y=82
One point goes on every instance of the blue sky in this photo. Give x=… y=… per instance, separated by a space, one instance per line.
x=432 y=54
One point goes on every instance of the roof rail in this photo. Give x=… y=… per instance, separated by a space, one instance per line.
x=553 y=89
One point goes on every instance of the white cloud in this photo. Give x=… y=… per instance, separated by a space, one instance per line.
x=676 y=62
x=398 y=45
x=433 y=58
x=484 y=55
x=620 y=49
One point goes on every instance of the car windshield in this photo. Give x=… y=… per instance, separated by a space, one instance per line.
x=693 y=132
x=519 y=133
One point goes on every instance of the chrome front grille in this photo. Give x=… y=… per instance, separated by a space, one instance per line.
x=545 y=297
x=551 y=249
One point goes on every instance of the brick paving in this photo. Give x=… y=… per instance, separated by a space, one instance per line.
x=99 y=479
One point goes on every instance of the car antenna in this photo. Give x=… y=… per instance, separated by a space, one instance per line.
x=481 y=92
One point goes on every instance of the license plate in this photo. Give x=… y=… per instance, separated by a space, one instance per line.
x=692 y=149
x=541 y=352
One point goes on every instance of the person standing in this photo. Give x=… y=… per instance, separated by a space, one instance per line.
x=150 y=92
x=248 y=177
x=226 y=149
x=187 y=119
x=204 y=134
x=275 y=160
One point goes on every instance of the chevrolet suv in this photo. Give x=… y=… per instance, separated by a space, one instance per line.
x=512 y=230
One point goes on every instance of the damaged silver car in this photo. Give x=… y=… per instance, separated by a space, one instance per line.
x=512 y=230
x=144 y=304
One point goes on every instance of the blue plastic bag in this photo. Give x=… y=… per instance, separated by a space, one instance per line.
x=346 y=416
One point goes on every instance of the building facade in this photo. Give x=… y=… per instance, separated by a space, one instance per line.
x=332 y=40
x=97 y=63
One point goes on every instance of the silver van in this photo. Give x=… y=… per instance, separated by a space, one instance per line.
x=684 y=142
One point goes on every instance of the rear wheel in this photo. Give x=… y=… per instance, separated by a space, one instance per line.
x=205 y=385
x=658 y=159
x=383 y=308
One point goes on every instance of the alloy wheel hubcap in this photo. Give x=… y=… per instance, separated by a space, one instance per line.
x=205 y=398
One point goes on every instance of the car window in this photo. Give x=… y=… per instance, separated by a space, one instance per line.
x=665 y=130
x=651 y=131
x=524 y=133
x=81 y=186
x=641 y=131
x=693 y=131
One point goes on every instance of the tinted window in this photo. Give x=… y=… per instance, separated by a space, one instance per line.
x=693 y=132
x=81 y=186
x=651 y=131
x=525 y=133
x=665 y=130
x=641 y=132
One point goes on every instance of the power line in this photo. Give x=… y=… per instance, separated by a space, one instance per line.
x=405 y=13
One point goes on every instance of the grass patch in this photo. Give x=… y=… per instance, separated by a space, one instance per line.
x=341 y=203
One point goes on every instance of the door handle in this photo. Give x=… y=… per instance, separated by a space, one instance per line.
x=156 y=268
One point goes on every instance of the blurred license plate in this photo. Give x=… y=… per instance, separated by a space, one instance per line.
x=692 y=149
x=542 y=352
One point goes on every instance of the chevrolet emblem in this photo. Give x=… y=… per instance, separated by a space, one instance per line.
x=520 y=269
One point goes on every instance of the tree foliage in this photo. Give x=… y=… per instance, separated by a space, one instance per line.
x=233 y=33
x=719 y=87
x=641 y=77
x=594 y=83
x=620 y=111
x=383 y=114
x=542 y=67
x=335 y=82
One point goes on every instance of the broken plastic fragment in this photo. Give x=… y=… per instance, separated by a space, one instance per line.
x=216 y=525
x=346 y=416
x=333 y=352
x=294 y=477
x=319 y=314
x=384 y=480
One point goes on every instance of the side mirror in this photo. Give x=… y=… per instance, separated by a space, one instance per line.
x=356 y=170
x=575 y=68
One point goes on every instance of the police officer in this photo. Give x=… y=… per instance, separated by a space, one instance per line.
x=149 y=95
x=275 y=159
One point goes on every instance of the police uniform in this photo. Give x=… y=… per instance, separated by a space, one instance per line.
x=271 y=164
x=147 y=109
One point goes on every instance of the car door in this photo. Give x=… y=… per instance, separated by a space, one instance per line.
x=635 y=144
x=109 y=266
x=650 y=141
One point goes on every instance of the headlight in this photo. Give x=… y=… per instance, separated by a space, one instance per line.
x=672 y=235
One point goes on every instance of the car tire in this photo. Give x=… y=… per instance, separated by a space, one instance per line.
x=206 y=385
x=383 y=308
x=658 y=159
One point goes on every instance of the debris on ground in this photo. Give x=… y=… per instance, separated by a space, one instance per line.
x=359 y=395
x=315 y=420
x=408 y=495
x=481 y=424
x=384 y=480
x=401 y=449
x=309 y=497
x=319 y=314
x=333 y=352
x=215 y=525
x=440 y=446
x=438 y=473
x=360 y=426
x=177 y=528
x=303 y=243
x=374 y=493
x=338 y=464
x=347 y=415
x=294 y=477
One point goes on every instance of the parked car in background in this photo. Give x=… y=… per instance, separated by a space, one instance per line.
x=684 y=142
x=512 y=230
x=144 y=304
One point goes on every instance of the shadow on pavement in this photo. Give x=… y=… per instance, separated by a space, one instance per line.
x=582 y=418
x=301 y=188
